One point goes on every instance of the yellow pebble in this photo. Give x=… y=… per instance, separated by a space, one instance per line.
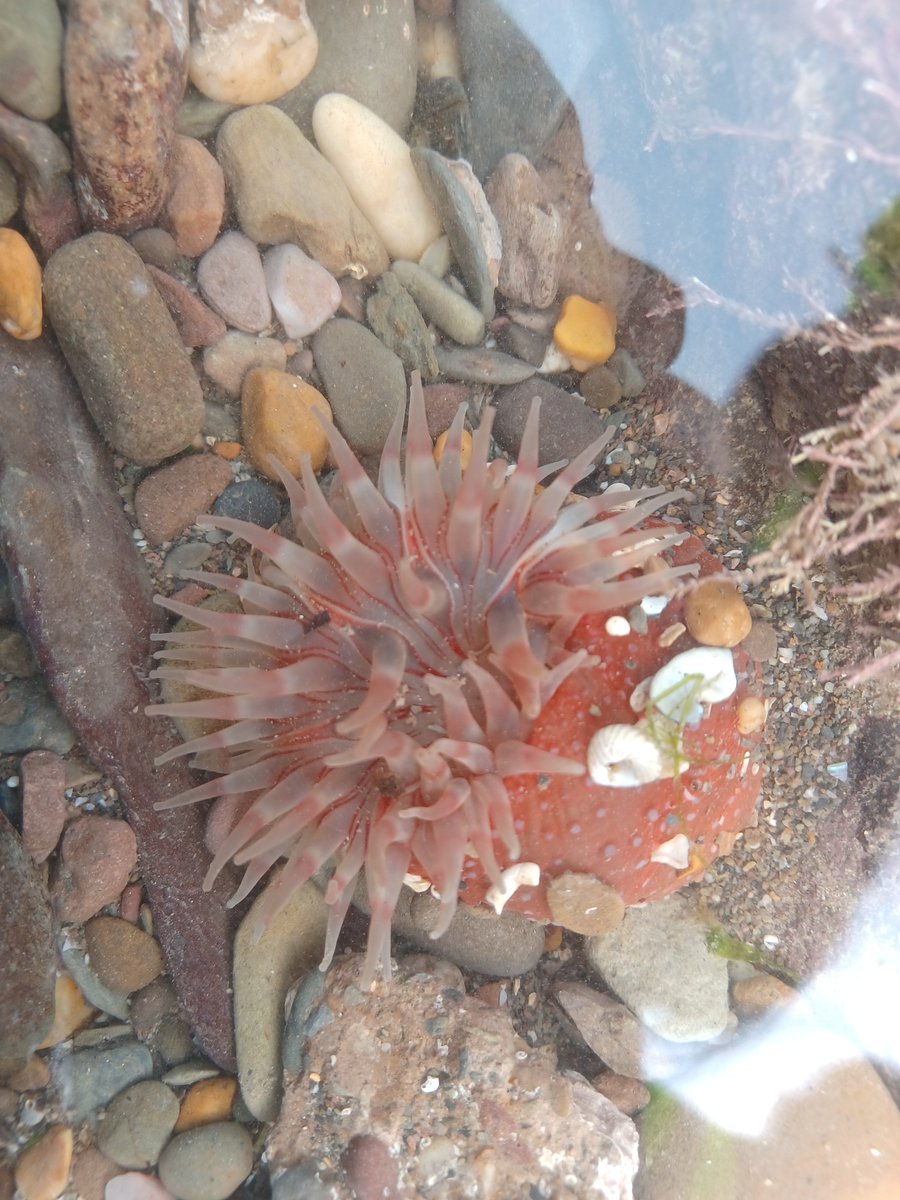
x=207 y=1101
x=585 y=332
x=465 y=448
x=278 y=419
x=21 y=308
x=716 y=614
x=751 y=714
x=71 y=1011
x=42 y=1171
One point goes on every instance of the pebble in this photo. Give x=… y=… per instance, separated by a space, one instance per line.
x=26 y=951
x=43 y=802
x=124 y=80
x=9 y=193
x=532 y=231
x=658 y=963
x=151 y=1005
x=628 y=1095
x=278 y=419
x=173 y=1041
x=367 y=51
x=482 y=366
x=195 y=203
x=32 y=1077
x=615 y=1034
x=473 y=1122
x=70 y=1011
x=453 y=314
x=393 y=316
x=264 y=968
x=97 y=856
x=197 y=325
x=82 y=971
x=600 y=388
x=441 y=117
x=21 y=310
x=228 y=361
x=125 y=958
x=156 y=247
x=207 y=1163
x=138 y=1123
x=303 y=294
x=231 y=278
x=522 y=343
x=250 y=500
x=442 y=401
x=585 y=332
x=190 y=556
x=88 y=1079
x=43 y=166
x=629 y=374
x=206 y=1101
x=29 y=719
x=133 y=1185
x=284 y=190
x=516 y=102
x=364 y=381
x=42 y=1170
x=374 y=163
x=754 y=997
x=567 y=425
x=761 y=643
x=464 y=224
x=169 y=500
x=584 y=904
x=716 y=614
x=251 y=54
x=31 y=37
x=134 y=373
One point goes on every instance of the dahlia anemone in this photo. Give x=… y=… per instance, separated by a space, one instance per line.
x=378 y=693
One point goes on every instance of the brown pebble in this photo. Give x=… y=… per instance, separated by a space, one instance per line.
x=195 y=321
x=754 y=997
x=761 y=643
x=627 y=1094
x=716 y=615
x=34 y=1075
x=123 y=956
x=278 y=420
x=370 y=1169
x=42 y=1171
x=751 y=714
x=16 y=658
x=97 y=855
x=600 y=388
x=585 y=905
x=156 y=247
x=167 y=501
x=43 y=802
x=195 y=204
x=91 y=1172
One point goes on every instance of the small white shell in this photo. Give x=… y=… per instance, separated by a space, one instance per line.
x=624 y=756
x=690 y=679
x=676 y=852
x=617 y=626
x=521 y=874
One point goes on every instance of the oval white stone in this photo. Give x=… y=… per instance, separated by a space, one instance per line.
x=374 y=163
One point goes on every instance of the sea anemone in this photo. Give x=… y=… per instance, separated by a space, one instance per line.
x=377 y=693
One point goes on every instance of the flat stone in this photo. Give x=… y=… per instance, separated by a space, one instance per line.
x=284 y=190
x=658 y=963
x=584 y=904
x=566 y=426
x=170 y=499
x=195 y=202
x=31 y=37
x=303 y=294
x=42 y=1170
x=94 y=992
x=615 y=1034
x=392 y=315
x=138 y=1123
x=125 y=958
x=125 y=73
x=482 y=366
x=89 y=1079
x=43 y=802
x=453 y=314
x=231 y=279
x=366 y=51
x=26 y=951
x=532 y=231
x=197 y=325
x=278 y=420
x=133 y=371
x=207 y=1163
x=364 y=381
x=97 y=857
x=228 y=361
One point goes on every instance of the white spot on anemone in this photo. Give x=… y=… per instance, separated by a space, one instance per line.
x=383 y=675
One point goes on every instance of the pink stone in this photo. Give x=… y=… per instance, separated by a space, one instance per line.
x=97 y=856
x=195 y=204
x=231 y=278
x=130 y=902
x=303 y=294
x=43 y=802
x=167 y=501
x=197 y=324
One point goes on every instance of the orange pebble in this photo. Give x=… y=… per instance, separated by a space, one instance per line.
x=207 y=1101
x=585 y=332
x=21 y=307
x=70 y=1012
x=465 y=447
x=228 y=450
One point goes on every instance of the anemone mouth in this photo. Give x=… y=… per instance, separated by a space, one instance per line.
x=382 y=676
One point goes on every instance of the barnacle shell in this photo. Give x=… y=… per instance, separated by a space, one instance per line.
x=624 y=756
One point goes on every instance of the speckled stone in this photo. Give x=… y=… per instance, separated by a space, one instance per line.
x=43 y=802
x=392 y=315
x=138 y=1123
x=231 y=278
x=207 y=1163
x=170 y=499
x=228 y=361
x=567 y=425
x=364 y=381
x=88 y=1079
x=96 y=858
x=250 y=500
x=124 y=957
x=195 y=203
